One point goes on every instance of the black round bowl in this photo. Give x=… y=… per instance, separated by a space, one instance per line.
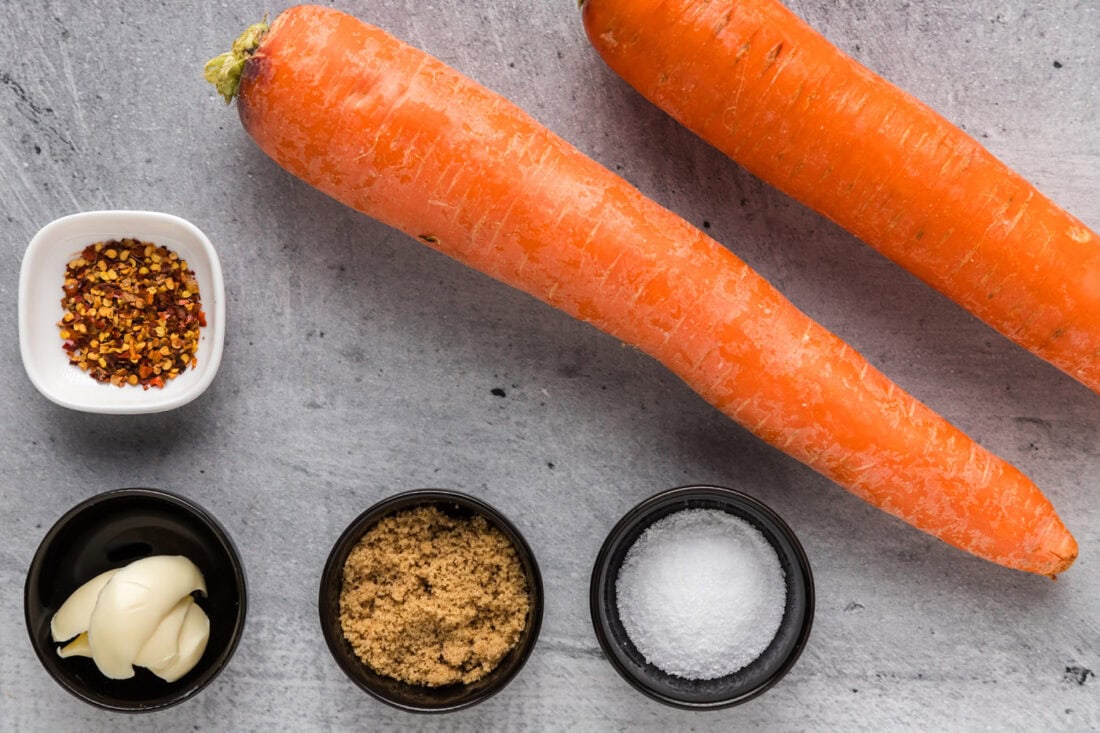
x=110 y=530
x=749 y=681
x=416 y=698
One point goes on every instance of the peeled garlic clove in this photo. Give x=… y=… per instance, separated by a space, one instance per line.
x=194 y=635
x=76 y=612
x=131 y=606
x=78 y=647
x=162 y=648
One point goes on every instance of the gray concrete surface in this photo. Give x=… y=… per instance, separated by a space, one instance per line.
x=359 y=364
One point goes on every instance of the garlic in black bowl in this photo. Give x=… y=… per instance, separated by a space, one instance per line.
x=142 y=614
x=115 y=579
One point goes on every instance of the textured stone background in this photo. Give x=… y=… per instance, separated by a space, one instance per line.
x=358 y=364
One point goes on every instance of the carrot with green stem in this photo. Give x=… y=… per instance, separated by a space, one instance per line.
x=403 y=138
x=759 y=84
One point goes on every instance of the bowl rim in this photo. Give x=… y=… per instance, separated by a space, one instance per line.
x=179 y=501
x=213 y=305
x=330 y=627
x=639 y=514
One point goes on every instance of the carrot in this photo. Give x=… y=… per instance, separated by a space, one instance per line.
x=759 y=84
x=403 y=138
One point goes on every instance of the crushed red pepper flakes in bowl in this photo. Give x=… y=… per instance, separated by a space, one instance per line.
x=132 y=313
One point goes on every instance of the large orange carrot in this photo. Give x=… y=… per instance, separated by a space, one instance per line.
x=398 y=135
x=759 y=84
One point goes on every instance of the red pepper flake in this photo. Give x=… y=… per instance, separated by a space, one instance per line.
x=132 y=313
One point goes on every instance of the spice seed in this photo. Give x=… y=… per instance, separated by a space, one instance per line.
x=107 y=327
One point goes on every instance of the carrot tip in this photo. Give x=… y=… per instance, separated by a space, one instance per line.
x=1066 y=558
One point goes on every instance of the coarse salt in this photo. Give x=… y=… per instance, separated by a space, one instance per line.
x=701 y=593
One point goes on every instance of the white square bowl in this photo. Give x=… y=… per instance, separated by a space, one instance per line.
x=42 y=276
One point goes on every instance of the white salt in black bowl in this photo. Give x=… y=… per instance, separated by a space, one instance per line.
x=738 y=686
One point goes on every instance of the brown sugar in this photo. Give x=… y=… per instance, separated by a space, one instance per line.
x=431 y=599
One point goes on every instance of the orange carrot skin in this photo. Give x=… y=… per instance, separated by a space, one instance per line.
x=398 y=135
x=762 y=86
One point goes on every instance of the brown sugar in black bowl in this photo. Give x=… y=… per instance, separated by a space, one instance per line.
x=111 y=530
x=392 y=691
